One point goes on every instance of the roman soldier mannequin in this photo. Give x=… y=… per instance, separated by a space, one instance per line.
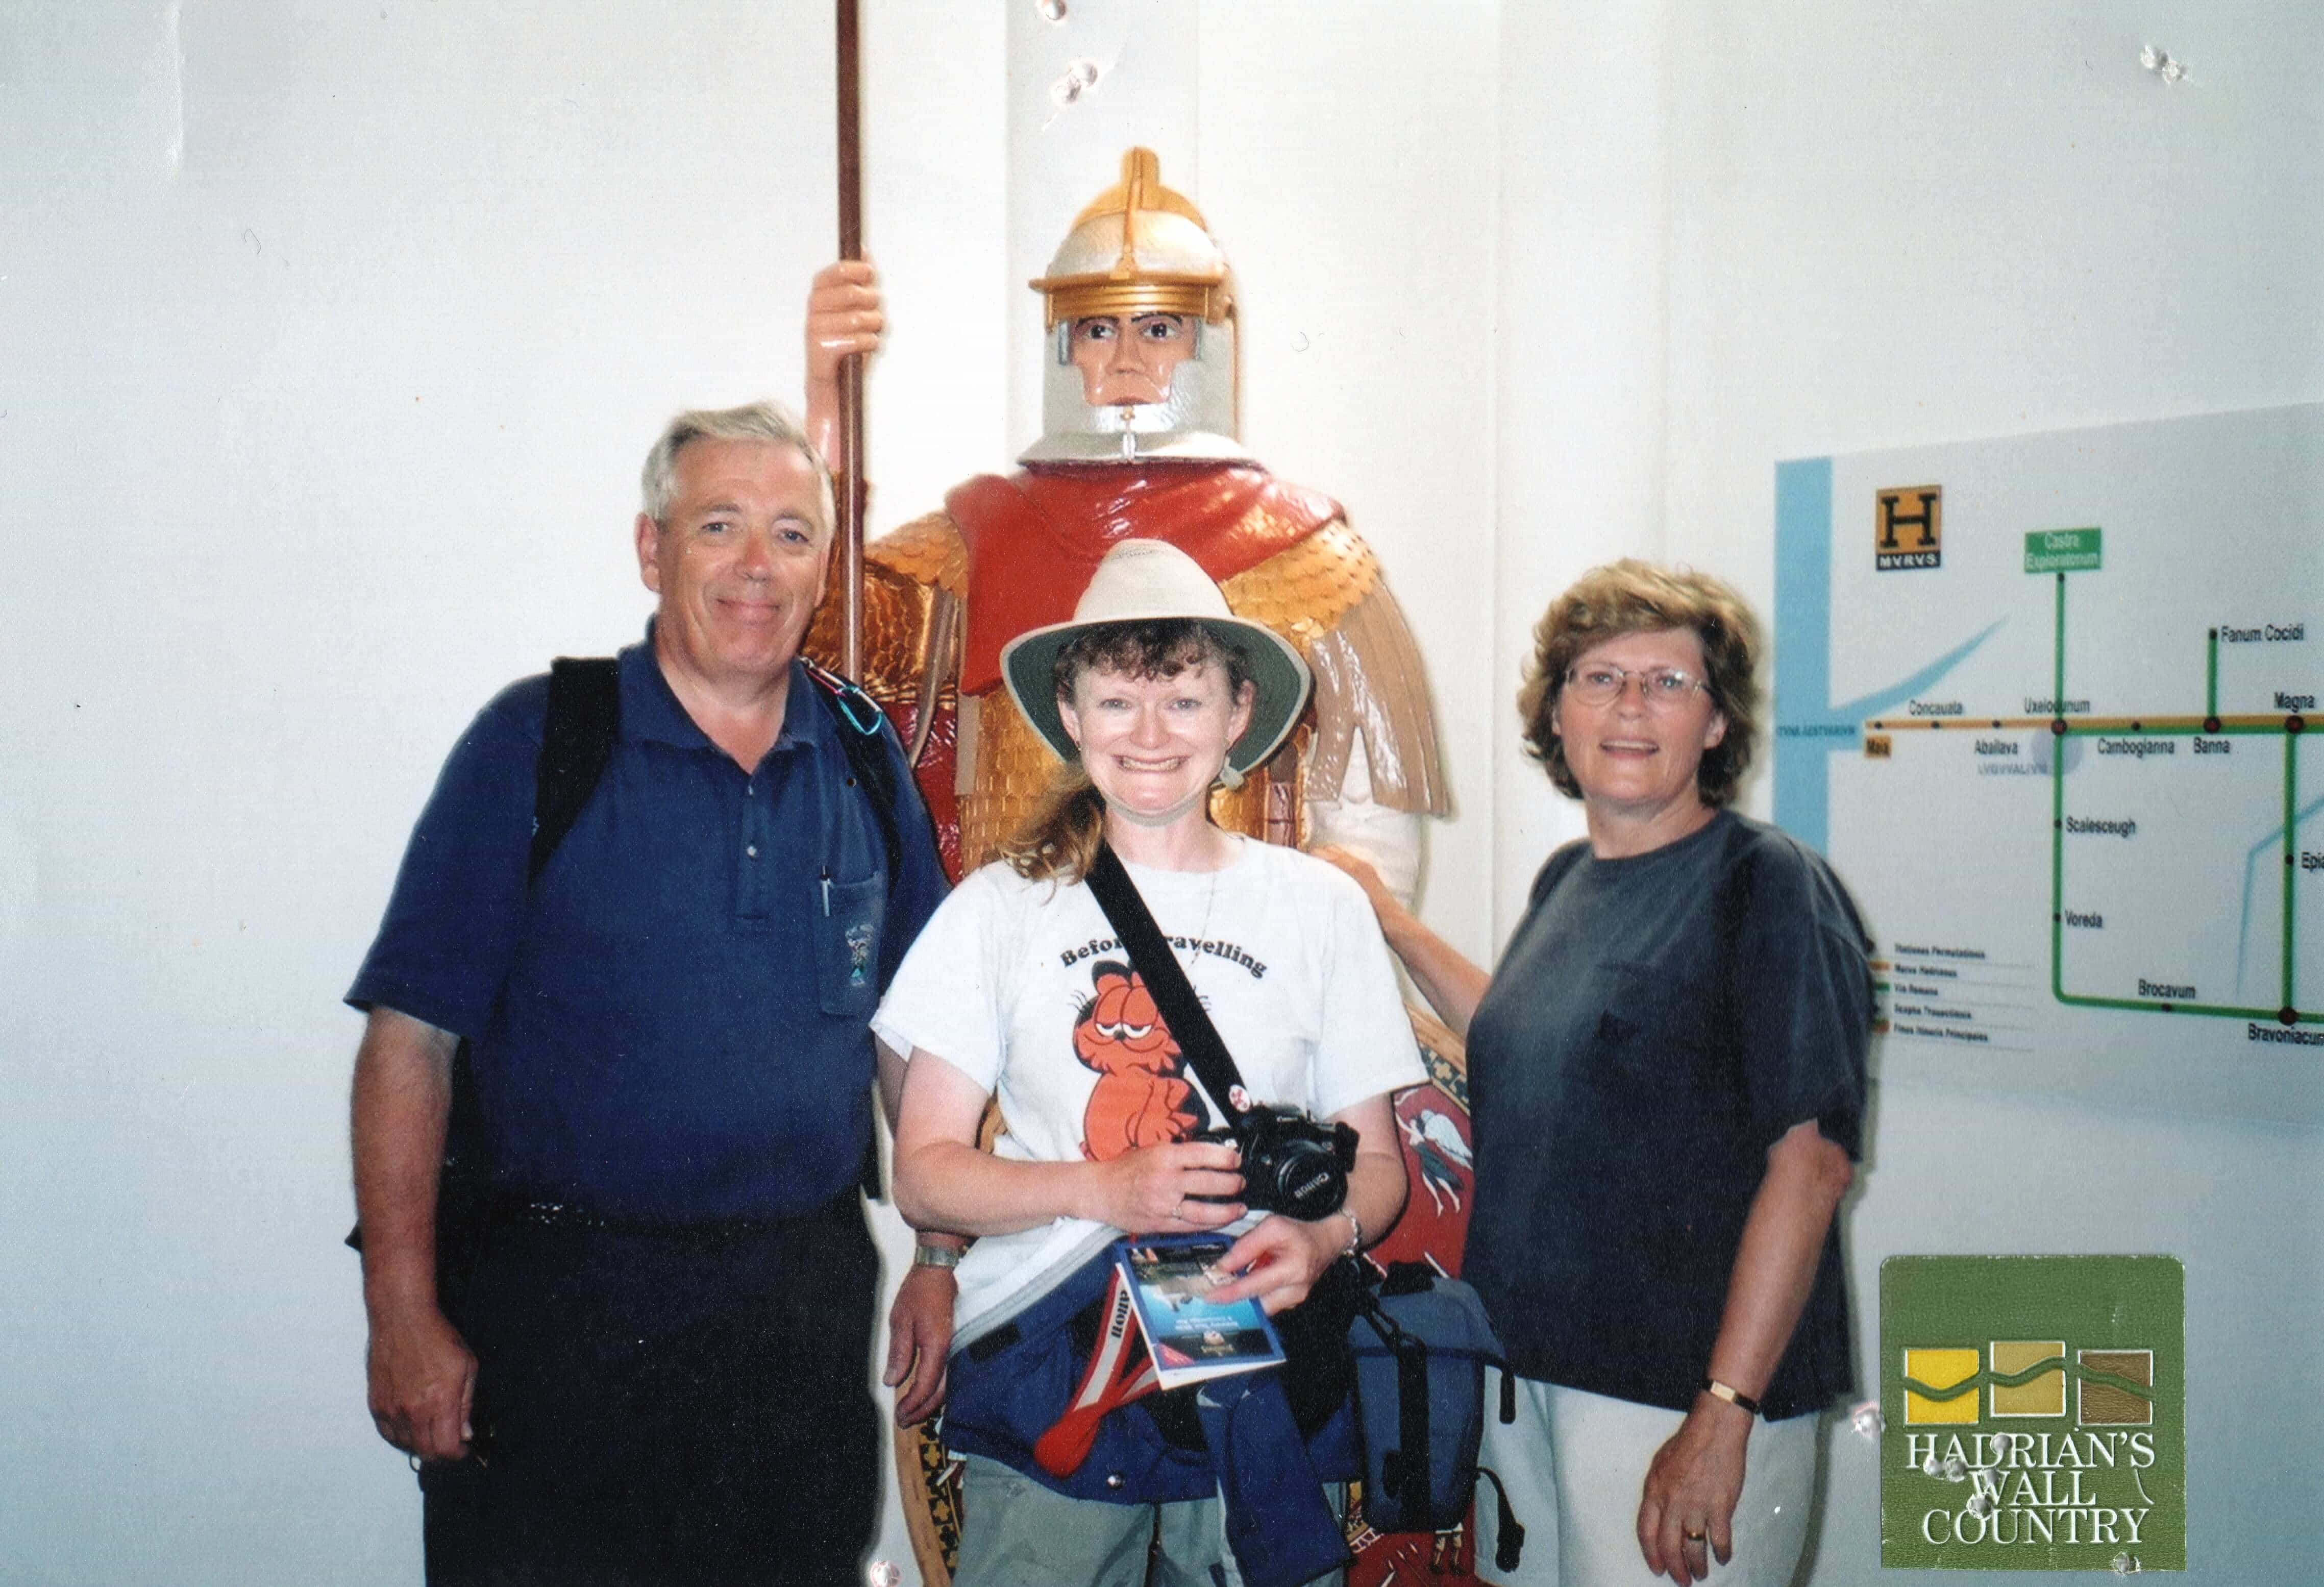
x=1138 y=440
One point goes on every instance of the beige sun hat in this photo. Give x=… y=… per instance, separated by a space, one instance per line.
x=1142 y=579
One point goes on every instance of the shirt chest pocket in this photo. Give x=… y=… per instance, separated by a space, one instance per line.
x=1652 y=1043
x=847 y=917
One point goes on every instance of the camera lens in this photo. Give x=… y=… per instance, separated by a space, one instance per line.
x=1303 y=1180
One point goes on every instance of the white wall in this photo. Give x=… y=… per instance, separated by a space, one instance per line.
x=1347 y=163
x=335 y=334
x=1893 y=225
x=335 y=331
x=1580 y=357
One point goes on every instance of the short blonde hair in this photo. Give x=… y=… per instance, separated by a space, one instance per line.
x=1631 y=597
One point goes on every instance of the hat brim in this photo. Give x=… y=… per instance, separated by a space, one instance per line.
x=1279 y=680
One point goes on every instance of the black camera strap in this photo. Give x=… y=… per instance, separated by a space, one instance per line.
x=1166 y=981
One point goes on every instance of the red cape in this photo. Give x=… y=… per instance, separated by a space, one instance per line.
x=1035 y=538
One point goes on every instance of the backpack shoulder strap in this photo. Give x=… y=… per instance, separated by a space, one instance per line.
x=861 y=722
x=576 y=741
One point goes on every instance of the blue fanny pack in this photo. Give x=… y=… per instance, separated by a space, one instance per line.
x=1010 y=1387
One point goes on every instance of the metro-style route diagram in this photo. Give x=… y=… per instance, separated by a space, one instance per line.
x=2206 y=734
x=2058 y=735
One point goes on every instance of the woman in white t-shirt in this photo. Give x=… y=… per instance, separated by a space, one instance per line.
x=1019 y=989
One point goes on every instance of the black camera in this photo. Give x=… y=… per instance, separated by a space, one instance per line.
x=1291 y=1164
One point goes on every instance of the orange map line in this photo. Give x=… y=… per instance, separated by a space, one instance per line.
x=2079 y=723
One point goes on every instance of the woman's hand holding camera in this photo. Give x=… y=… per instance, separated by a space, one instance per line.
x=1157 y=1189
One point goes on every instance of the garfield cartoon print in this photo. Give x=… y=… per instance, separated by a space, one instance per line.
x=1141 y=1097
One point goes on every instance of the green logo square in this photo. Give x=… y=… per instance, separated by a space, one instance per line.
x=2035 y=1413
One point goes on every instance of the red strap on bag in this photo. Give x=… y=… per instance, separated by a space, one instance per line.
x=1119 y=1372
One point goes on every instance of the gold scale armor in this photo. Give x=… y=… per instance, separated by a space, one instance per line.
x=1324 y=594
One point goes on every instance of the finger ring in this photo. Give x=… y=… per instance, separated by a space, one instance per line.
x=1694 y=1537
x=1179 y=1212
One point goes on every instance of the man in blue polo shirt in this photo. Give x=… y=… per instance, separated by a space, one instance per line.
x=659 y=1371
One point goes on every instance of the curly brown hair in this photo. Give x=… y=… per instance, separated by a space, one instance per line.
x=1631 y=597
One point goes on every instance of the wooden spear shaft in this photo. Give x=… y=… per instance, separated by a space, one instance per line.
x=848 y=466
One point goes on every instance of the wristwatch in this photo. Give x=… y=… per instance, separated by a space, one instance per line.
x=936 y=1256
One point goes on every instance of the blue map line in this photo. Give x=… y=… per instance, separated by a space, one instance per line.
x=1804 y=647
x=2272 y=847
x=1808 y=725
x=1872 y=704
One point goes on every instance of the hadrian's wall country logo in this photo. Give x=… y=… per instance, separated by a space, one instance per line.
x=2034 y=1413
x=1908 y=527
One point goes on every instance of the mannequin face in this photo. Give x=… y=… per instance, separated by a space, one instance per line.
x=1127 y=359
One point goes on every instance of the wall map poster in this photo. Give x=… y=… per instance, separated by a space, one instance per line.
x=2048 y=703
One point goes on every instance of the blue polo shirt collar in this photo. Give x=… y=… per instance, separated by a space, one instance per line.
x=652 y=712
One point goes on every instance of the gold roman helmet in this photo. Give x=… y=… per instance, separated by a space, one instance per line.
x=1140 y=248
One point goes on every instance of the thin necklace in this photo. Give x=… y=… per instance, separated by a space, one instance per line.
x=1209 y=900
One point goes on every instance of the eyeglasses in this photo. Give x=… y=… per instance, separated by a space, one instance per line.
x=1662 y=688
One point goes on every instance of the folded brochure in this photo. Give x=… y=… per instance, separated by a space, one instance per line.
x=1189 y=1336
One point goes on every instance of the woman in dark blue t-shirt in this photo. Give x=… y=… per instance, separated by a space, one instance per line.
x=1666 y=1079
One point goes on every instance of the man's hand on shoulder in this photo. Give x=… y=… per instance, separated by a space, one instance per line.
x=423 y=1382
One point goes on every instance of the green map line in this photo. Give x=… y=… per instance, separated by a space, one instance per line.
x=2058 y=1363
x=2017 y=1380
x=2291 y=853
x=2060 y=728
